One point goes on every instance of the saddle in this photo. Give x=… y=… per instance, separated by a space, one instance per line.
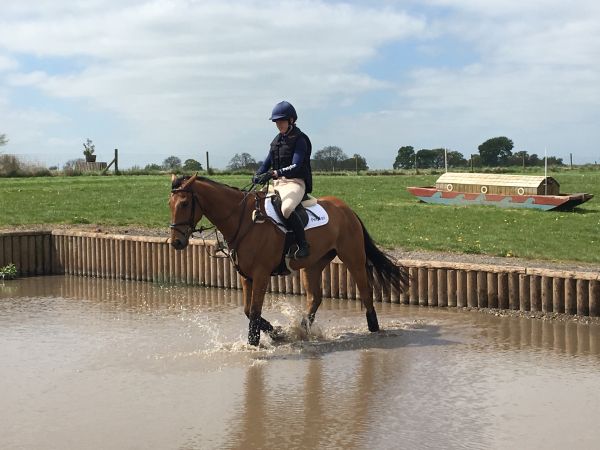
x=260 y=215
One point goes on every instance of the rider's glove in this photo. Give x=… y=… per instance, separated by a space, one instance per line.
x=263 y=178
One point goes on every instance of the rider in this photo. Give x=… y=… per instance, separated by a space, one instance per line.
x=288 y=163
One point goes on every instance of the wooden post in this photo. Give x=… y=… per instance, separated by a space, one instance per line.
x=432 y=288
x=524 y=303
x=442 y=287
x=570 y=296
x=413 y=296
x=335 y=280
x=213 y=270
x=594 y=298
x=503 y=291
x=297 y=283
x=451 y=282
x=583 y=306
x=492 y=290
x=221 y=272
x=461 y=288
x=558 y=295
x=422 y=274
x=472 y=289
x=482 y=295
x=546 y=294
x=513 y=290
x=535 y=292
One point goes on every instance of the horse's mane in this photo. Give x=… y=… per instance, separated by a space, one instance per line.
x=177 y=182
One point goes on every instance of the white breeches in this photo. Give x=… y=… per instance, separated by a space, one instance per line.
x=291 y=191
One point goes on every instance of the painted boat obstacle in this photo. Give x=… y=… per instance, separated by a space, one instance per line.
x=433 y=283
x=505 y=191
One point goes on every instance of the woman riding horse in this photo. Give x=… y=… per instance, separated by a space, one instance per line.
x=258 y=246
x=289 y=158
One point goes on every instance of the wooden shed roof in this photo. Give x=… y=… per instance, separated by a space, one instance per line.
x=491 y=179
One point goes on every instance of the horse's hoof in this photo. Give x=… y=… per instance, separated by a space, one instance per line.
x=372 y=321
x=305 y=325
x=277 y=334
x=254 y=332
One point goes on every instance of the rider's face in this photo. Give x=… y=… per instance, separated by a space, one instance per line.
x=282 y=125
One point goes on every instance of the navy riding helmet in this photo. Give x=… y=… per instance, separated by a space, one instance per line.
x=283 y=110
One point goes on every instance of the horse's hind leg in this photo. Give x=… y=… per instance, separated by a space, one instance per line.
x=359 y=273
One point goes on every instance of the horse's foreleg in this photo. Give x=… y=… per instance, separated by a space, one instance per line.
x=247 y=294
x=257 y=323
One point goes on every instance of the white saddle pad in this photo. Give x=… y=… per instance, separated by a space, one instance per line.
x=317 y=216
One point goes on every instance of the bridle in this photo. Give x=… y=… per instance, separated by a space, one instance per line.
x=189 y=223
x=231 y=250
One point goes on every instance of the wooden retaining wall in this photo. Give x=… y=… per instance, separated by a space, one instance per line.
x=443 y=284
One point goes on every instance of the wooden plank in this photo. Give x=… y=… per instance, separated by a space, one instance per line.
x=482 y=294
x=442 y=286
x=492 y=290
x=583 y=305
x=546 y=294
x=535 y=292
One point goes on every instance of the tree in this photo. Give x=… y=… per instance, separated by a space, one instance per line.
x=191 y=165
x=554 y=161
x=496 y=151
x=357 y=162
x=329 y=158
x=456 y=159
x=430 y=159
x=243 y=161
x=405 y=159
x=88 y=149
x=172 y=163
x=3 y=140
x=152 y=167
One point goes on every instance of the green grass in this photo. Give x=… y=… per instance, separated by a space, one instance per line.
x=393 y=217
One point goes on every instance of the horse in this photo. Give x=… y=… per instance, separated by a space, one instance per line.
x=257 y=248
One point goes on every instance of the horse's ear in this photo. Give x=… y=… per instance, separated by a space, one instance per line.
x=189 y=181
x=173 y=177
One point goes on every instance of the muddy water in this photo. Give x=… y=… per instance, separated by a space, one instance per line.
x=100 y=364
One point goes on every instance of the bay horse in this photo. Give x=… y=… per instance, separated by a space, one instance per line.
x=259 y=247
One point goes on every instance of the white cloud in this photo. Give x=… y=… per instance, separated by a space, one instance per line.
x=184 y=64
x=7 y=63
x=161 y=77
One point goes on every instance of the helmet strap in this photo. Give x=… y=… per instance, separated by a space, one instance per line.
x=290 y=127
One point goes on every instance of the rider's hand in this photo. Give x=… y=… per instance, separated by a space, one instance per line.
x=263 y=178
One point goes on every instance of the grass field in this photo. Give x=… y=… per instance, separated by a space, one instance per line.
x=393 y=217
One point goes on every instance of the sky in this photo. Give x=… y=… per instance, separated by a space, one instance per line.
x=183 y=77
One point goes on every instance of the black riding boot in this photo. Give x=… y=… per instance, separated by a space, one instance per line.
x=295 y=223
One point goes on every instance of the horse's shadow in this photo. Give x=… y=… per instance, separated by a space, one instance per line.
x=390 y=338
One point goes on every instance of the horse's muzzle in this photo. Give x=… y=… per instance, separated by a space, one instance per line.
x=179 y=244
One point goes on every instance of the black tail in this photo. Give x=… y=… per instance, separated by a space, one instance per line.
x=387 y=270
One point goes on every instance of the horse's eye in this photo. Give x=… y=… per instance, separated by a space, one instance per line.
x=184 y=204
